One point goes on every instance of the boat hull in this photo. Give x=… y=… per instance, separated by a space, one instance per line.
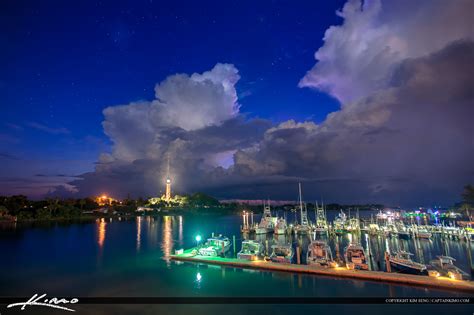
x=280 y=231
x=262 y=231
x=404 y=236
x=248 y=257
x=407 y=269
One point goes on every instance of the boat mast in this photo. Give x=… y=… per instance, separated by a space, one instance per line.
x=304 y=214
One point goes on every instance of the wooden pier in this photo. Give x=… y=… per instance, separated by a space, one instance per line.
x=442 y=283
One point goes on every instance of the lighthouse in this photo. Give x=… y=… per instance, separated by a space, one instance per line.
x=168 y=189
x=168 y=183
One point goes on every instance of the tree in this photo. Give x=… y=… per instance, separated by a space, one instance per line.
x=468 y=200
x=468 y=194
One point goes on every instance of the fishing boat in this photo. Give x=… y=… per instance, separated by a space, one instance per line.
x=444 y=266
x=352 y=225
x=340 y=223
x=319 y=254
x=469 y=233
x=304 y=227
x=402 y=262
x=251 y=250
x=423 y=233
x=267 y=223
x=282 y=253
x=215 y=246
x=355 y=257
x=374 y=229
x=280 y=227
x=321 y=221
x=403 y=232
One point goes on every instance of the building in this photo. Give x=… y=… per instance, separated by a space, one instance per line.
x=104 y=200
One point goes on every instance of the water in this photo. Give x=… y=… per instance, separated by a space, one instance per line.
x=128 y=258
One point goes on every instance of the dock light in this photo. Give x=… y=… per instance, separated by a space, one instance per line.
x=198 y=277
x=198 y=239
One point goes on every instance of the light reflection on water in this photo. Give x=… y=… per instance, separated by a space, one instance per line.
x=139 y=232
x=131 y=251
x=167 y=238
x=101 y=228
x=424 y=250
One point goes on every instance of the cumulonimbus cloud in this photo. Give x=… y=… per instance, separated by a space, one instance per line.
x=359 y=56
x=403 y=73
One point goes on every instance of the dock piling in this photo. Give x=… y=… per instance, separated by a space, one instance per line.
x=233 y=242
x=387 y=262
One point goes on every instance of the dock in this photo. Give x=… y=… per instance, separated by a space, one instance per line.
x=442 y=283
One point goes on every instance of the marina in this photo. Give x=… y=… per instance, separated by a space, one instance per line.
x=304 y=247
x=443 y=283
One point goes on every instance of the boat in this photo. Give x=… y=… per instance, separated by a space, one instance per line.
x=282 y=253
x=444 y=266
x=423 y=233
x=402 y=262
x=469 y=232
x=251 y=250
x=280 y=227
x=267 y=223
x=319 y=254
x=215 y=246
x=340 y=223
x=403 y=232
x=321 y=221
x=304 y=227
x=352 y=225
x=355 y=257
x=374 y=229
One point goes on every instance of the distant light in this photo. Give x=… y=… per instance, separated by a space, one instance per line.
x=198 y=277
x=198 y=238
x=104 y=197
x=168 y=180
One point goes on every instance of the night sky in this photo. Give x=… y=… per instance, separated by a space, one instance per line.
x=362 y=102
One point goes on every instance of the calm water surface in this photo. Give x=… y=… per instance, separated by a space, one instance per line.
x=128 y=258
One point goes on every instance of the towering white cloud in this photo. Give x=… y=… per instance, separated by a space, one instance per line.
x=139 y=130
x=403 y=72
x=359 y=56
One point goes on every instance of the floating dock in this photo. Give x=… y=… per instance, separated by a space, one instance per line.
x=443 y=283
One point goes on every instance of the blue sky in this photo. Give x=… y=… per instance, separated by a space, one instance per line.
x=64 y=63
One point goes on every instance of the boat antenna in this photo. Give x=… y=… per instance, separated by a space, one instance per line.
x=301 y=201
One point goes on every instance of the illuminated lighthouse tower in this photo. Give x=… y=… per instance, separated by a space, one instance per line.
x=168 y=184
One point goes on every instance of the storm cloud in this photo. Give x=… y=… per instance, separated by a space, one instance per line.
x=412 y=141
x=360 y=56
x=403 y=135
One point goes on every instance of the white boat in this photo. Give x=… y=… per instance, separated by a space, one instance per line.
x=282 y=254
x=304 y=227
x=267 y=223
x=374 y=229
x=319 y=254
x=215 y=246
x=251 y=250
x=340 y=223
x=402 y=262
x=444 y=266
x=321 y=221
x=423 y=233
x=402 y=231
x=280 y=227
x=355 y=257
